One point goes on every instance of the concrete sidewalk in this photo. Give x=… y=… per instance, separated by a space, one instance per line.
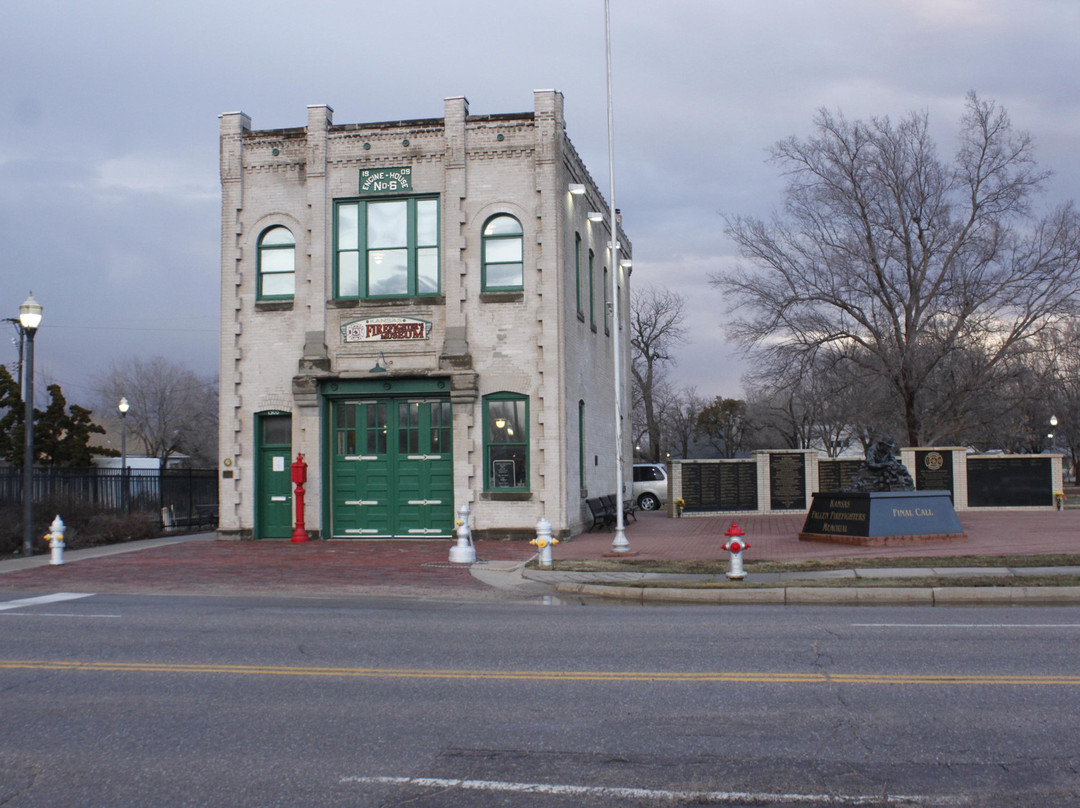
x=203 y=564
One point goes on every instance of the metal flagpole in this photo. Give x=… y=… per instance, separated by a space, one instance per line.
x=619 y=544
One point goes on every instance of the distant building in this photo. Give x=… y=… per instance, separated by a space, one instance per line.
x=421 y=309
x=142 y=462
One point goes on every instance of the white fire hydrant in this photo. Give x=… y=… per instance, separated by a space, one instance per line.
x=544 y=541
x=55 y=537
x=735 y=545
x=464 y=552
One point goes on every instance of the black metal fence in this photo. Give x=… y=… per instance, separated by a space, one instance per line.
x=189 y=496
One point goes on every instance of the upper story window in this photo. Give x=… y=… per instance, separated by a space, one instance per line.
x=502 y=266
x=387 y=247
x=592 y=293
x=277 y=264
x=577 y=272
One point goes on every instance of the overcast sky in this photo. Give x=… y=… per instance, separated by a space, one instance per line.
x=109 y=192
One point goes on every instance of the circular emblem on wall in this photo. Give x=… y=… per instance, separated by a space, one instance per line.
x=934 y=461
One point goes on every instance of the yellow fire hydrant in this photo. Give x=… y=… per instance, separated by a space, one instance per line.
x=55 y=537
x=544 y=542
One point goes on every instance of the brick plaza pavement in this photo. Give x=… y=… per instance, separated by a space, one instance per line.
x=210 y=566
x=420 y=568
x=655 y=536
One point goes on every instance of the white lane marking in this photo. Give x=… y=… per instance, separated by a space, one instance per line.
x=55 y=614
x=653 y=794
x=41 y=600
x=965 y=625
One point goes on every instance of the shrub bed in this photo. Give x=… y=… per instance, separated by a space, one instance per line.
x=85 y=527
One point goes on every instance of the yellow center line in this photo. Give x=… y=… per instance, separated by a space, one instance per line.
x=719 y=677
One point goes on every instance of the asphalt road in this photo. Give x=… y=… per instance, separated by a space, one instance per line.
x=117 y=700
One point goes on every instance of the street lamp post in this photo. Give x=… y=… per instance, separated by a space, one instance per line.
x=123 y=406
x=29 y=320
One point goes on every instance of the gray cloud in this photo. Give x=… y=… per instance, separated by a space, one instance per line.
x=108 y=127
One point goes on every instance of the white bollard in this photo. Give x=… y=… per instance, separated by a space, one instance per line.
x=544 y=541
x=463 y=552
x=56 y=541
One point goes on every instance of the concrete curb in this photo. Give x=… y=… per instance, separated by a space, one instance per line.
x=838 y=596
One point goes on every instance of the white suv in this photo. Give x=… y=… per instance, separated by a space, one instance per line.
x=650 y=485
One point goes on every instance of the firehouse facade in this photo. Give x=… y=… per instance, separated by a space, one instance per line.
x=423 y=310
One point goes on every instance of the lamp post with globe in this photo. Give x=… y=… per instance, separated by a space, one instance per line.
x=29 y=320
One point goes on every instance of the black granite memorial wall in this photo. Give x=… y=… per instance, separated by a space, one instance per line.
x=1005 y=482
x=723 y=486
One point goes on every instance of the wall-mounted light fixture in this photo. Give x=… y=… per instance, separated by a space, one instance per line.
x=626 y=264
x=577 y=189
x=595 y=216
x=379 y=368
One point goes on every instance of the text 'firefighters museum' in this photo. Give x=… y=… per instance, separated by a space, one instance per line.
x=423 y=309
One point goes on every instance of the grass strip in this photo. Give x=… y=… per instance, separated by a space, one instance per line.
x=719 y=567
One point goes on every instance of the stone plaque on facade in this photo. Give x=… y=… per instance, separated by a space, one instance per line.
x=385 y=180
x=375 y=329
x=787 y=481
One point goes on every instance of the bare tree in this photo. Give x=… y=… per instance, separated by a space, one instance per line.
x=723 y=423
x=655 y=329
x=685 y=408
x=173 y=411
x=925 y=278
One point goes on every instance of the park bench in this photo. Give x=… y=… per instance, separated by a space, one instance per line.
x=602 y=515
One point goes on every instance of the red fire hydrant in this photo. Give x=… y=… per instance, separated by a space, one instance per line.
x=735 y=545
x=299 y=477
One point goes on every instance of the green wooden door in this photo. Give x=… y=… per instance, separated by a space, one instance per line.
x=425 y=474
x=360 y=473
x=273 y=480
x=391 y=468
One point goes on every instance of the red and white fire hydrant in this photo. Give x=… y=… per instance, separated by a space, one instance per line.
x=735 y=545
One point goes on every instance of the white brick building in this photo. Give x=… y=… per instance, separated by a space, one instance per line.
x=420 y=308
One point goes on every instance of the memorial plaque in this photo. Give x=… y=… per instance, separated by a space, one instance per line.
x=1010 y=482
x=933 y=471
x=710 y=487
x=882 y=518
x=839 y=515
x=835 y=475
x=719 y=486
x=787 y=481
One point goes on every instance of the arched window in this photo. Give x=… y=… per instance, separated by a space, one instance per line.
x=277 y=264
x=503 y=269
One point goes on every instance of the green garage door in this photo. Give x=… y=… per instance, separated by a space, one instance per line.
x=391 y=468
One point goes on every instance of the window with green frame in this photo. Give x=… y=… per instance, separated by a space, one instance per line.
x=506 y=442
x=592 y=295
x=501 y=266
x=581 y=442
x=276 y=264
x=606 y=329
x=386 y=247
x=577 y=269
